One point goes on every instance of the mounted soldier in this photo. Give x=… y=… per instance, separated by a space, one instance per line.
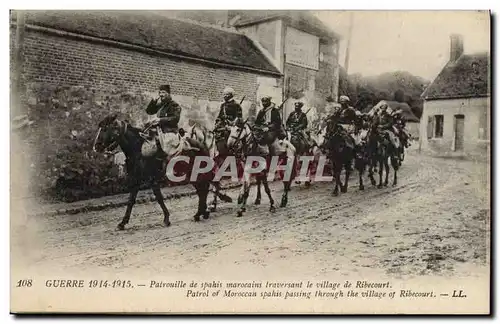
x=230 y=112
x=164 y=128
x=400 y=125
x=347 y=114
x=342 y=121
x=297 y=125
x=167 y=110
x=384 y=122
x=268 y=124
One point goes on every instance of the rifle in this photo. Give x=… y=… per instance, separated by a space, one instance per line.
x=280 y=108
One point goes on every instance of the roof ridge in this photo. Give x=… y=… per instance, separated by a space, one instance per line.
x=163 y=34
x=453 y=80
x=201 y=24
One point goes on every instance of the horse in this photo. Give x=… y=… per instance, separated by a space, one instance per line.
x=383 y=151
x=114 y=132
x=341 y=155
x=404 y=139
x=242 y=140
x=197 y=132
x=363 y=156
x=303 y=149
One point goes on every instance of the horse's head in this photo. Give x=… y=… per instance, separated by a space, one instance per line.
x=319 y=137
x=237 y=132
x=111 y=129
x=361 y=138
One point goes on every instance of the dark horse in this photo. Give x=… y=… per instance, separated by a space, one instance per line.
x=341 y=154
x=114 y=132
x=302 y=148
x=363 y=157
x=383 y=151
x=242 y=141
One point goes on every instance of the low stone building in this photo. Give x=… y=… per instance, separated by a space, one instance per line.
x=303 y=49
x=129 y=51
x=300 y=45
x=457 y=106
x=76 y=67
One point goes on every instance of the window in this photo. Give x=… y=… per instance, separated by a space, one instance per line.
x=438 y=126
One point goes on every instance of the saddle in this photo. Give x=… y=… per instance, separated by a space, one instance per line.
x=389 y=137
x=157 y=143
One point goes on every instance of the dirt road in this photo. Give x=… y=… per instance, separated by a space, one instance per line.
x=435 y=221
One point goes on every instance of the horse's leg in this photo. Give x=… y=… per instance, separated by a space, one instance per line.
x=213 y=204
x=243 y=196
x=284 y=197
x=203 y=197
x=371 y=162
x=202 y=189
x=395 y=166
x=336 y=178
x=272 y=208
x=380 y=171
x=309 y=174
x=259 y=195
x=130 y=204
x=297 y=167
x=387 y=169
x=348 y=167
x=161 y=202
x=361 y=171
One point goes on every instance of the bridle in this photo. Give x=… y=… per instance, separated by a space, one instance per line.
x=237 y=137
x=114 y=143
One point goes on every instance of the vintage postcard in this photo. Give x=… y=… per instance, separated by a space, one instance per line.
x=250 y=162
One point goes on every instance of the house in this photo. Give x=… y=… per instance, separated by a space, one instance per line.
x=136 y=51
x=412 y=121
x=302 y=47
x=456 y=114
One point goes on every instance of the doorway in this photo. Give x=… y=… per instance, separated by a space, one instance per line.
x=459 y=128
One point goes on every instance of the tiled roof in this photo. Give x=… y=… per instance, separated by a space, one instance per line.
x=160 y=33
x=468 y=77
x=297 y=18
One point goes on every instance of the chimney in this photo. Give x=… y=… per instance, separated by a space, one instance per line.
x=456 y=47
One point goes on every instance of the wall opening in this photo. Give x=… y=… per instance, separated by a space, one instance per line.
x=438 y=126
x=459 y=129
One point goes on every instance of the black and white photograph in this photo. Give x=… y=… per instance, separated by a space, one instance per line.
x=250 y=161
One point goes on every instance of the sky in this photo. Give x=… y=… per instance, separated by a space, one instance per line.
x=413 y=41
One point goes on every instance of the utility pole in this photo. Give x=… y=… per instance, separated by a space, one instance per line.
x=348 y=47
x=18 y=64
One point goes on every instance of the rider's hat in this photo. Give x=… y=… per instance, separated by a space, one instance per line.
x=228 y=90
x=299 y=104
x=343 y=99
x=165 y=87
